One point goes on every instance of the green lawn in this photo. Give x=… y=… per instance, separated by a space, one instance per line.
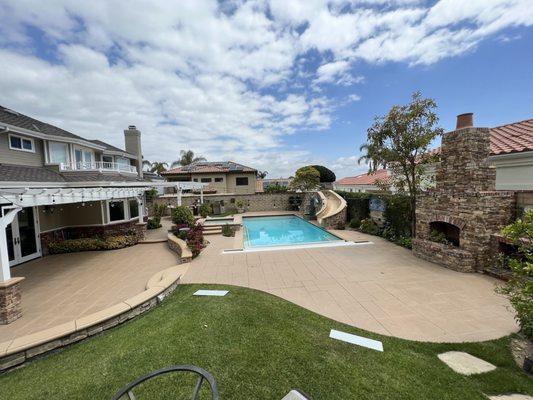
x=258 y=346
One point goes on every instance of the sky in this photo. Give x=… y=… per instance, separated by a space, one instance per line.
x=274 y=85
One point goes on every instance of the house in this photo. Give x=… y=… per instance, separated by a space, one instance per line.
x=283 y=182
x=369 y=182
x=511 y=154
x=222 y=177
x=56 y=185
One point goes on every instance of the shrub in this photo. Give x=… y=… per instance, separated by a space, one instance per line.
x=355 y=223
x=92 y=244
x=227 y=230
x=182 y=215
x=397 y=213
x=276 y=189
x=153 y=224
x=205 y=209
x=369 y=226
x=195 y=240
x=404 y=242
x=151 y=194
x=519 y=289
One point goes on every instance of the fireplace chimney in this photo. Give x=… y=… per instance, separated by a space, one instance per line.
x=465 y=121
x=132 y=138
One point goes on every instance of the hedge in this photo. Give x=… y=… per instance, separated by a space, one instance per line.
x=358 y=205
x=92 y=244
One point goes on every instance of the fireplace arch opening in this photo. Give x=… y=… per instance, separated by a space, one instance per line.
x=444 y=232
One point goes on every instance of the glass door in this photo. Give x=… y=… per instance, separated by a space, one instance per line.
x=23 y=237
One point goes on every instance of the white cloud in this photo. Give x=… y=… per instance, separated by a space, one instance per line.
x=229 y=80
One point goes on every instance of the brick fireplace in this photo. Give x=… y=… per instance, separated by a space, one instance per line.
x=464 y=209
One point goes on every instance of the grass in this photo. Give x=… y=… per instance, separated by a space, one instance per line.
x=257 y=346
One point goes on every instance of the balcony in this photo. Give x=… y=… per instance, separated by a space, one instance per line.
x=101 y=166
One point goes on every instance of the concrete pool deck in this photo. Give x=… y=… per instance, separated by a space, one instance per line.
x=378 y=287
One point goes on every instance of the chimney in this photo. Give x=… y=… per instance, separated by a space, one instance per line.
x=465 y=121
x=132 y=139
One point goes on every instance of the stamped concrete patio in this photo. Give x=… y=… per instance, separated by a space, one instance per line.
x=60 y=288
x=379 y=287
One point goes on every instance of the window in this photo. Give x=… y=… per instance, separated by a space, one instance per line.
x=123 y=161
x=219 y=179
x=241 y=181
x=107 y=159
x=134 y=208
x=21 y=143
x=84 y=158
x=58 y=152
x=116 y=211
x=195 y=180
x=206 y=180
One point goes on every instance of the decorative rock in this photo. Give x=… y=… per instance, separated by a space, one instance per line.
x=511 y=397
x=464 y=363
x=294 y=395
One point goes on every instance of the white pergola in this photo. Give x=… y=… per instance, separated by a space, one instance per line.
x=188 y=185
x=18 y=198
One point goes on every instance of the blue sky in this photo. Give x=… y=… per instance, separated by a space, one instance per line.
x=274 y=84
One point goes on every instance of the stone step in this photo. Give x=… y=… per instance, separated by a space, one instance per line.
x=213 y=232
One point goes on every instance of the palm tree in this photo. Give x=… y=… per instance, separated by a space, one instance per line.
x=186 y=157
x=158 y=167
x=262 y=174
x=147 y=163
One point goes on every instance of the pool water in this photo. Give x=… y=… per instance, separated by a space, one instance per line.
x=283 y=230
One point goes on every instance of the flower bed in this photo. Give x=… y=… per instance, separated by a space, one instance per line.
x=92 y=244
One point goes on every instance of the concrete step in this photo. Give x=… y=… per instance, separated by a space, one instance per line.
x=213 y=232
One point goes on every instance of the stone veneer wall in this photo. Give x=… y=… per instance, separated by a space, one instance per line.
x=464 y=196
x=10 y=301
x=76 y=232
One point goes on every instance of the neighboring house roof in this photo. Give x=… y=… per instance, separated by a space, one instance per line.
x=24 y=173
x=19 y=120
x=506 y=139
x=512 y=138
x=209 y=167
x=365 y=179
x=112 y=148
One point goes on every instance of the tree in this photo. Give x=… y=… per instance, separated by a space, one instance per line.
x=306 y=178
x=400 y=141
x=326 y=175
x=147 y=164
x=262 y=174
x=186 y=158
x=158 y=167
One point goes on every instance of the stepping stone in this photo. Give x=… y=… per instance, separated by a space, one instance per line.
x=294 y=395
x=511 y=397
x=211 y=292
x=464 y=363
x=358 y=340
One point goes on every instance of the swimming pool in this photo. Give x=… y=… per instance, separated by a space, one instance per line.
x=286 y=230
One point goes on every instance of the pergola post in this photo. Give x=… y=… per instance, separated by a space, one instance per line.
x=140 y=203
x=179 y=196
x=10 y=306
x=201 y=195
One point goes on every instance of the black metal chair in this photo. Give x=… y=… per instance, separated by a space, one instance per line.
x=203 y=376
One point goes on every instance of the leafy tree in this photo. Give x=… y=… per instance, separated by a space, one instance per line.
x=187 y=157
x=519 y=289
x=326 y=175
x=306 y=178
x=262 y=174
x=158 y=167
x=146 y=163
x=399 y=141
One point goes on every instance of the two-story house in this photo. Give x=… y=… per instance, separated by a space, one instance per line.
x=56 y=185
x=223 y=177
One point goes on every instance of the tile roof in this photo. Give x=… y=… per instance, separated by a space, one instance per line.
x=365 y=179
x=512 y=138
x=206 y=167
x=17 y=119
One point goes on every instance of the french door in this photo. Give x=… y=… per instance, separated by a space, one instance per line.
x=23 y=243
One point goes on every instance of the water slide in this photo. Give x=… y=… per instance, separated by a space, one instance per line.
x=332 y=206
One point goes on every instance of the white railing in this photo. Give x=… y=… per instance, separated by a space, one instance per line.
x=97 y=166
